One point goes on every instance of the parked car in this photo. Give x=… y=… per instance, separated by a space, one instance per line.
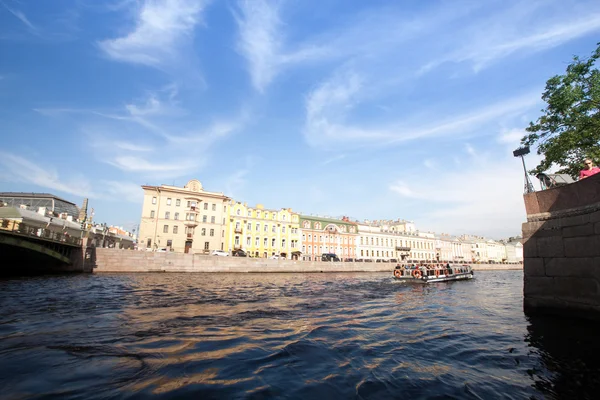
x=329 y=257
x=239 y=253
x=162 y=250
x=220 y=253
x=274 y=257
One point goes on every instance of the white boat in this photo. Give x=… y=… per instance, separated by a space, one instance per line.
x=433 y=274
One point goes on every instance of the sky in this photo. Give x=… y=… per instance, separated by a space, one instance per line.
x=373 y=110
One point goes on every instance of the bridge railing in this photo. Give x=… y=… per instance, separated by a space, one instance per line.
x=24 y=229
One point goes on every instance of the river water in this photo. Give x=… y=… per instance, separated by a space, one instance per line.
x=296 y=336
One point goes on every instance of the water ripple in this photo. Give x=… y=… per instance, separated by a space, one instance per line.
x=360 y=336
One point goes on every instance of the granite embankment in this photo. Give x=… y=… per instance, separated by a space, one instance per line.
x=116 y=260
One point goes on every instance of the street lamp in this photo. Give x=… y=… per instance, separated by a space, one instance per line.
x=521 y=152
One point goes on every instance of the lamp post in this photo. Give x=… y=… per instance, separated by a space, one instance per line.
x=521 y=152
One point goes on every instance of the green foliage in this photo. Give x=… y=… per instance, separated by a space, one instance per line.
x=569 y=129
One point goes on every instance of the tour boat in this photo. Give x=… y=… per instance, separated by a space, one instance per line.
x=433 y=274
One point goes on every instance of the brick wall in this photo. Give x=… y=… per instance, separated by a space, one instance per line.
x=561 y=249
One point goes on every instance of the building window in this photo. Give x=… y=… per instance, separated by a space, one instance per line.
x=166 y=229
x=168 y=201
x=149 y=243
x=273 y=242
x=214 y=207
x=266 y=228
x=189 y=204
x=178 y=202
x=203 y=232
x=167 y=215
x=283 y=229
x=204 y=218
x=154 y=200
x=309 y=249
x=283 y=243
x=212 y=219
x=152 y=214
x=274 y=229
x=248 y=241
x=239 y=212
x=249 y=226
x=321 y=238
x=224 y=208
x=258 y=226
x=265 y=242
x=257 y=241
x=249 y=213
x=212 y=232
x=306 y=224
x=283 y=217
x=266 y=215
x=237 y=241
x=257 y=214
x=303 y=237
x=176 y=216
x=175 y=229
x=206 y=206
x=304 y=249
x=206 y=244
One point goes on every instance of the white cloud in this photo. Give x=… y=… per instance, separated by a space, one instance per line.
x=139 y=164
x=21 y=17
x=261 y=41
x=521 y=28
x=483 y=195
x=511 y=136
x=24 y=170
x=329 y=105
x=123 y=191
x=161 y=28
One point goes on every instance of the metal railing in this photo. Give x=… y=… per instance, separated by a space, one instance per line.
x=23 y=229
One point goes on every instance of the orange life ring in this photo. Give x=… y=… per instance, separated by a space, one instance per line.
x=437 y=273
x=397 y=273
x=417 y=274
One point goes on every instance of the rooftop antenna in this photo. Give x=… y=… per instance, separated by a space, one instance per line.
x=521 y=152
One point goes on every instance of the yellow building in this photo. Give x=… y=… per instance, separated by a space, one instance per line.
x=183 y=219
x=263 y=232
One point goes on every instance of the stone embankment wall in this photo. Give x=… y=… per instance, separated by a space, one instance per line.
x=561 y=248
x=117 y=260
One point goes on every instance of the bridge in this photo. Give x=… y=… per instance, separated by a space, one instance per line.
x=32 y=247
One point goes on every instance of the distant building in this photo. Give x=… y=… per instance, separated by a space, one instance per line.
x=183 y=219
x=327 y=235
x=50 y=204
x=263 y=232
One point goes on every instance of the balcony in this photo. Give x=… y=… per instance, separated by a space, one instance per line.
x=193 y=209
x=238 y=230
x=190 y=235
x=190 y=223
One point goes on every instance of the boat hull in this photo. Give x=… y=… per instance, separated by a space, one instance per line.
x=431 y=277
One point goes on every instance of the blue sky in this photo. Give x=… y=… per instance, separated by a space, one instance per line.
x=376 y=110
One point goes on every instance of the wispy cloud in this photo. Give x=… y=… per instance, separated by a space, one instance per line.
x=21 y=17
x=517 y=31
x=262 y=42
x=27 y=171
x=328 y=107
x=161 y=29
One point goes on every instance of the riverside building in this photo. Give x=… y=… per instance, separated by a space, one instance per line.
x=394 y=240
x=327 y=235
x=263 y=232
x=183 y=219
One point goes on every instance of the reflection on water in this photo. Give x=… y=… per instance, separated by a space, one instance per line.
x=285 y=335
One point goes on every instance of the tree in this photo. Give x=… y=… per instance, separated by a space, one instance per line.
x=569 y=129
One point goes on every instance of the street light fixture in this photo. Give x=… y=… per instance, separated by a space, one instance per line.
x=521 y=152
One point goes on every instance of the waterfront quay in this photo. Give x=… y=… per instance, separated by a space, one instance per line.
x=118 y=260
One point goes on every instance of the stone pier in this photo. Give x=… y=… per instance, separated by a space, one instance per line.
x=561 y=249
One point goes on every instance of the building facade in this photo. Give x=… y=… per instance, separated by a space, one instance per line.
x=263 y=232
x=391 y=240
x=327 y=235
x=188 y=219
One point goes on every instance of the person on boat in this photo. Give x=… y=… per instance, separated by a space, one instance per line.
x=588 y=170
